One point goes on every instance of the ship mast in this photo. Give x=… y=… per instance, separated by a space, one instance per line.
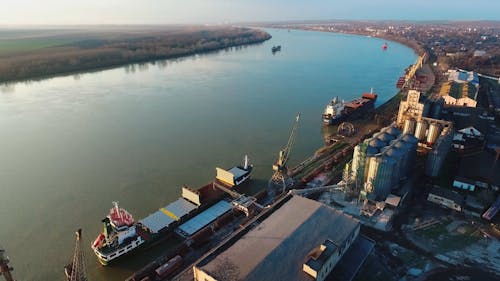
x=245 y=166
x=117 y=209
x=5 y=269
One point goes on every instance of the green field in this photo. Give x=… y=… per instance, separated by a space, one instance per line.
x=29 y=44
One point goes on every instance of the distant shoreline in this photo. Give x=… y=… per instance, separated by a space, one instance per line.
x=78 y=58
x=414 y=45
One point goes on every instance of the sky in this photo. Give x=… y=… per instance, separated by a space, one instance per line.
x=50 y=12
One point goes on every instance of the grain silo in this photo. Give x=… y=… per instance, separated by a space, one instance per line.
x=409 y=127
x=433 y=134
x=421 y=130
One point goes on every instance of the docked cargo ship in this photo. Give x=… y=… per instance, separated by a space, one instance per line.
x=337 y=111
x=236 y=175
x=122 y=234
x=334 y=112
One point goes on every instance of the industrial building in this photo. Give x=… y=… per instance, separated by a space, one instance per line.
x=417 y=106
x=446 y=198
x=434 y=136
x=468 y=141
x=461 y=89
x=461 y=76
x=410 y=109
x=479 y=171
x=382 y=161
x=459 y=94
x=300 y=240
x=437 y=146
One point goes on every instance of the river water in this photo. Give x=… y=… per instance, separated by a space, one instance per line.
x=70 y=145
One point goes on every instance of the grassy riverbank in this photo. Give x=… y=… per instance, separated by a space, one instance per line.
x=30 y=54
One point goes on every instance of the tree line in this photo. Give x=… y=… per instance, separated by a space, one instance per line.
x=101 y=53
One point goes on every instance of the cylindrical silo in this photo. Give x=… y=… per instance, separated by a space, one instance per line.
x=421 y=130
x=412 y=143
x=358 y=162
x=371 y=168
x=409 y=127
x=398 y=157
x=404 y=148
x=437 y=108
x=393 y=131
x=377 y=143
x=434 y=131
x=383 y=179
x=385 y=137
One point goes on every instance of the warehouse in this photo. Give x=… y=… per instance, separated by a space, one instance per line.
x=302 y=240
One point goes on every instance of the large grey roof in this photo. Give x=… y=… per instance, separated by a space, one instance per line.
x=168 y=214
x=277 y=248
x=203 y=219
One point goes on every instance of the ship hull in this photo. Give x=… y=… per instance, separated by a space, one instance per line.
x=328 y=121
x=146 y=239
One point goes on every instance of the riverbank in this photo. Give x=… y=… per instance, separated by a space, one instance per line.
x=410 y=43
x=61 y=52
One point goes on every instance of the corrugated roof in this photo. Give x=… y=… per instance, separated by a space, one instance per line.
x=168 y=214
x=156 y=221
x=203 y=219
x=277 y=248
x=463 y=76
x=181 y=207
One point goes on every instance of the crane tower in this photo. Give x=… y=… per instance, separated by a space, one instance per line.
x=280 y=168
x=76 y=270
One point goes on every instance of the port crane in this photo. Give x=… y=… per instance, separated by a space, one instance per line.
x=280 y=176
x=5 y=269
x=76 y=270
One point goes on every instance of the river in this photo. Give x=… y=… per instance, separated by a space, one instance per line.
x=70 y=145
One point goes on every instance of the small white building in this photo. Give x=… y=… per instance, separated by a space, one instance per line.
x=446 y=198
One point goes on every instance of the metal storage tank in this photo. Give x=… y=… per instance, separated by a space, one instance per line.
x=371 y=168
x=437 y=108
x=410 y=139
x=358 y=162
x=421 y=130
x=412 y=143
x=385 y=137
x=372 y=150
x=398 y=156
x=406 y=149
x=382 y=182
x=434 y=131
x=377 y=143
x=393 y=131
x=409 y=127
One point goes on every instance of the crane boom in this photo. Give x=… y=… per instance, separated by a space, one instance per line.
x=284 y=154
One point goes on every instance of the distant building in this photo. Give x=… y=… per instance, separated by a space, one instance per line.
x=303 y=240
x=461 y=89
x=460 y=76
x=479 y=53
x=459 y=94
x=446 y=198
